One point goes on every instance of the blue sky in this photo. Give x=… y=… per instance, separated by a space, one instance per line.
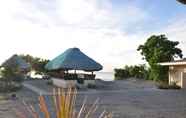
x=107 y=30
x=160 y=12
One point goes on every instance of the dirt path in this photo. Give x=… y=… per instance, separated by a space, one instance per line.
x=7 y=109
x=135 y=99
x=129 y=99
x=35 y=89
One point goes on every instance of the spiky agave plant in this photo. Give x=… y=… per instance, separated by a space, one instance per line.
x=64 y=103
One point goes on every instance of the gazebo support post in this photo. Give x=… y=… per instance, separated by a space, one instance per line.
x=92 y=74
x=74 y=71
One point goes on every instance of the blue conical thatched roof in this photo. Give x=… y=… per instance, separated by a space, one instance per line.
x=16 y=61
x=73 y=59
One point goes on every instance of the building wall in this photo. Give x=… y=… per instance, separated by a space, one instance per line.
x=184 y=80
x=175 y=77
x=64 y=83
x=177 y=74
x=70 y=83
x=91 y=82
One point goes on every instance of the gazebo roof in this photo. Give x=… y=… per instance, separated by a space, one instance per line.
x=14 y=61
x=73 y=59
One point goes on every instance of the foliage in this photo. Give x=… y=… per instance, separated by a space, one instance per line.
x=165 y=85
x=121 y=74
x=11 y=79
x=3 y=97
x=9 y=86
x=140 y=72
x=64 y=105
x=159 y=49
x=49 y=82
x=12 y=74
x=91 y=86
x=182 y=1
x=37 y=64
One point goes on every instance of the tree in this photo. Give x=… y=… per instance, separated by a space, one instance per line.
x=37 y=64
x=140 y=71
x=136 y=71
x=182 y=1
x=120 y=74
x=11 y=75
x=11 y=78
x=158 y=49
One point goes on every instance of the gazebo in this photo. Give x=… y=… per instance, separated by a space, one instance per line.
x=73 y=59
x=16 y=61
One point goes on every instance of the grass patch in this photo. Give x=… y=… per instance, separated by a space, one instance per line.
x=3 y=97
x=49 y=82
x=163 y=85
x=13 y=87
x=91 y=86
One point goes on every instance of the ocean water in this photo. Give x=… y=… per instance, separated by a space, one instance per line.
x=106 y=76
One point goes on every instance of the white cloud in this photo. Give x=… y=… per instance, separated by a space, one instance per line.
x=176 y=31
x=46 y=28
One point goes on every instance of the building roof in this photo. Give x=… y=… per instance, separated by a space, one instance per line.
x=175 y=62
x=14 y=61
x=73 y=59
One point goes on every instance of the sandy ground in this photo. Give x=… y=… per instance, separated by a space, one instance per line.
x=7 y=109
x=126 y=99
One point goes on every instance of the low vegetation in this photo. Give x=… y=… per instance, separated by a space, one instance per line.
x=49 y=82
x=182 y=1
x=11 y=79
x=37 y=64
x=91 y=86
x=163 y=85
x=137 y=71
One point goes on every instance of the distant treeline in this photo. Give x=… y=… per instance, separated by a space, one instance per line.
x=136 y=71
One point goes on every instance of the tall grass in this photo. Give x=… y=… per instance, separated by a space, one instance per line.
x=64 y=104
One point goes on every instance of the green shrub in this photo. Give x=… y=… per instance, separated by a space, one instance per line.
x=137 y=71
x=49 y=82
x=13 y=87
x=3 y=97
x=120 y=74
x=91 y=86
x=80 y=81
x=164 y=85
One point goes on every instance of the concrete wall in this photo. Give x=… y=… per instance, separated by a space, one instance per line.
x=87 y=82
x=64 y=83
x=69 y=83
x=177 y=74
x=184 y=80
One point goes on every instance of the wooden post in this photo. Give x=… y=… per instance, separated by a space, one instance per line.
x=182 y=84
x=75 y=71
